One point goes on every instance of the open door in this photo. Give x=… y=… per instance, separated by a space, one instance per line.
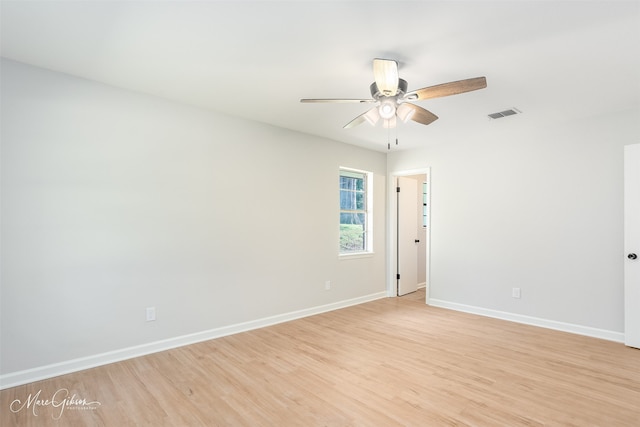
x=632 y=245
x=407 y=239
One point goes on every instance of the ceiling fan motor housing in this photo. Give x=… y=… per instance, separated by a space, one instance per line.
x=375 y=92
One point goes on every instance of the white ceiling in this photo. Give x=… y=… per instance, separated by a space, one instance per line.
x=553 y=60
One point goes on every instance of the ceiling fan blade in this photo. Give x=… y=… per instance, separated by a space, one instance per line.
x=372 y=116
x=417 y=114
x=446 y=89
x=340 y=101
x=385 y=73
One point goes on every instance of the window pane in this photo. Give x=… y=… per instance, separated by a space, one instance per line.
x=347 y=200
x=352 y=218
x=352 y=183
x=351 y=200
x=352 y=238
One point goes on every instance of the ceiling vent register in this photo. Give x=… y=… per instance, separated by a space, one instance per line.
x=505 y=113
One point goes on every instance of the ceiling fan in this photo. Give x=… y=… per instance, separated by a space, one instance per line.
x=391 y=99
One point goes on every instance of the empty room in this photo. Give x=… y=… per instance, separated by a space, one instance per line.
x=320 y=213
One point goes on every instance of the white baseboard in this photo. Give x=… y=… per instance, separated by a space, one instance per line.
x=14 y=379
x=534 y=321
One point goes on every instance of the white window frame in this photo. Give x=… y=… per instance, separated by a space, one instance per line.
x=368 y=249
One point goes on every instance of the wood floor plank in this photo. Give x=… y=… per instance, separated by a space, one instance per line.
x=385 y=363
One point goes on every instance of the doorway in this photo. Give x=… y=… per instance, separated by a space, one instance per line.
x=409 y=226
x=632 y=245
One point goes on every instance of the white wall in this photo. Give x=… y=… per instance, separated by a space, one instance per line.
x=114 y=201
x=533 y=206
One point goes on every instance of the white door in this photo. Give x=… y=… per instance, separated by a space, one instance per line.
x=632 y=245
x=407 y=217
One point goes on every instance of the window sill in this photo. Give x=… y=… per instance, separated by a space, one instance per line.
x=356 y=255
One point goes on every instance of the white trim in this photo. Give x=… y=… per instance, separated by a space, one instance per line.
x=14 y=379
x=355 y=255
x=534 y=321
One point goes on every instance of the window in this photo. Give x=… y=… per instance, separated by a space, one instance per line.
x=355 y=211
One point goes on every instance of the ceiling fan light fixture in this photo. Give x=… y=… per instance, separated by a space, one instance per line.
x=405 y=112
x=372 y=116
x=387 y=109
x=389 y=123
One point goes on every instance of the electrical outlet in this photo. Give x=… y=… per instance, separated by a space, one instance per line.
x=515 y=292
x=151 y=314
x=327 y=285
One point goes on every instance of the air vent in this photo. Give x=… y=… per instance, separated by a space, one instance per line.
x=505 y=113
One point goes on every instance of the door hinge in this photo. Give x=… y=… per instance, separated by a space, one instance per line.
x=398 y=276
x=397 y=189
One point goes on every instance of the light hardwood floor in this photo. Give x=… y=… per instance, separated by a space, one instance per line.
x=420 y=295
x=391 y=362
